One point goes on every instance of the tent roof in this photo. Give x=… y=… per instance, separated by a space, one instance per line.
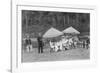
x=52 y=32
x=71 y=30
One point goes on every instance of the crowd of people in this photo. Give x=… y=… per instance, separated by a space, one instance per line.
x=64 y=43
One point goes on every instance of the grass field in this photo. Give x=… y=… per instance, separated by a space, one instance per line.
x=72 y=54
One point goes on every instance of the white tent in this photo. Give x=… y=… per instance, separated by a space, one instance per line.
x=71 y=30
x=52 y=32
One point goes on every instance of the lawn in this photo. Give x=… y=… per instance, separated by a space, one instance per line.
x=72 y=54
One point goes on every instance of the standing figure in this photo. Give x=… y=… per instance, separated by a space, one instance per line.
x=83 y=44
x=87 y=43
x=40 y=43
x=28 y=44
x=52 y=46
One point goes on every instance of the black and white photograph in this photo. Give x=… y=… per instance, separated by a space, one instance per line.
x=54 y=36
x=48 y=37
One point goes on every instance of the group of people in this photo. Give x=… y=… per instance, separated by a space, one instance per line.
x=86 y=44
x=63 y=44
x=28 y=43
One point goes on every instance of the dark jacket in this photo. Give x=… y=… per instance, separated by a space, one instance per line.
x=40 y=43
x=28 y=41
x=88 y=41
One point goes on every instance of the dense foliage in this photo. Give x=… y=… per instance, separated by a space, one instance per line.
x=41 y=21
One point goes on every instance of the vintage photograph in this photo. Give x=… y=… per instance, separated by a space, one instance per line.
x=54 y=36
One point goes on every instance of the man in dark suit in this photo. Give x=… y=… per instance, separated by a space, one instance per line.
x=40 y=43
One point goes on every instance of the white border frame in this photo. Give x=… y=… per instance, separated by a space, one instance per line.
x=17 y=66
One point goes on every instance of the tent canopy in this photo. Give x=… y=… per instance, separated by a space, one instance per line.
x=52 y=32
x=71 y=30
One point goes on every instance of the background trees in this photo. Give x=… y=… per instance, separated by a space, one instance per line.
x=40 y=21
